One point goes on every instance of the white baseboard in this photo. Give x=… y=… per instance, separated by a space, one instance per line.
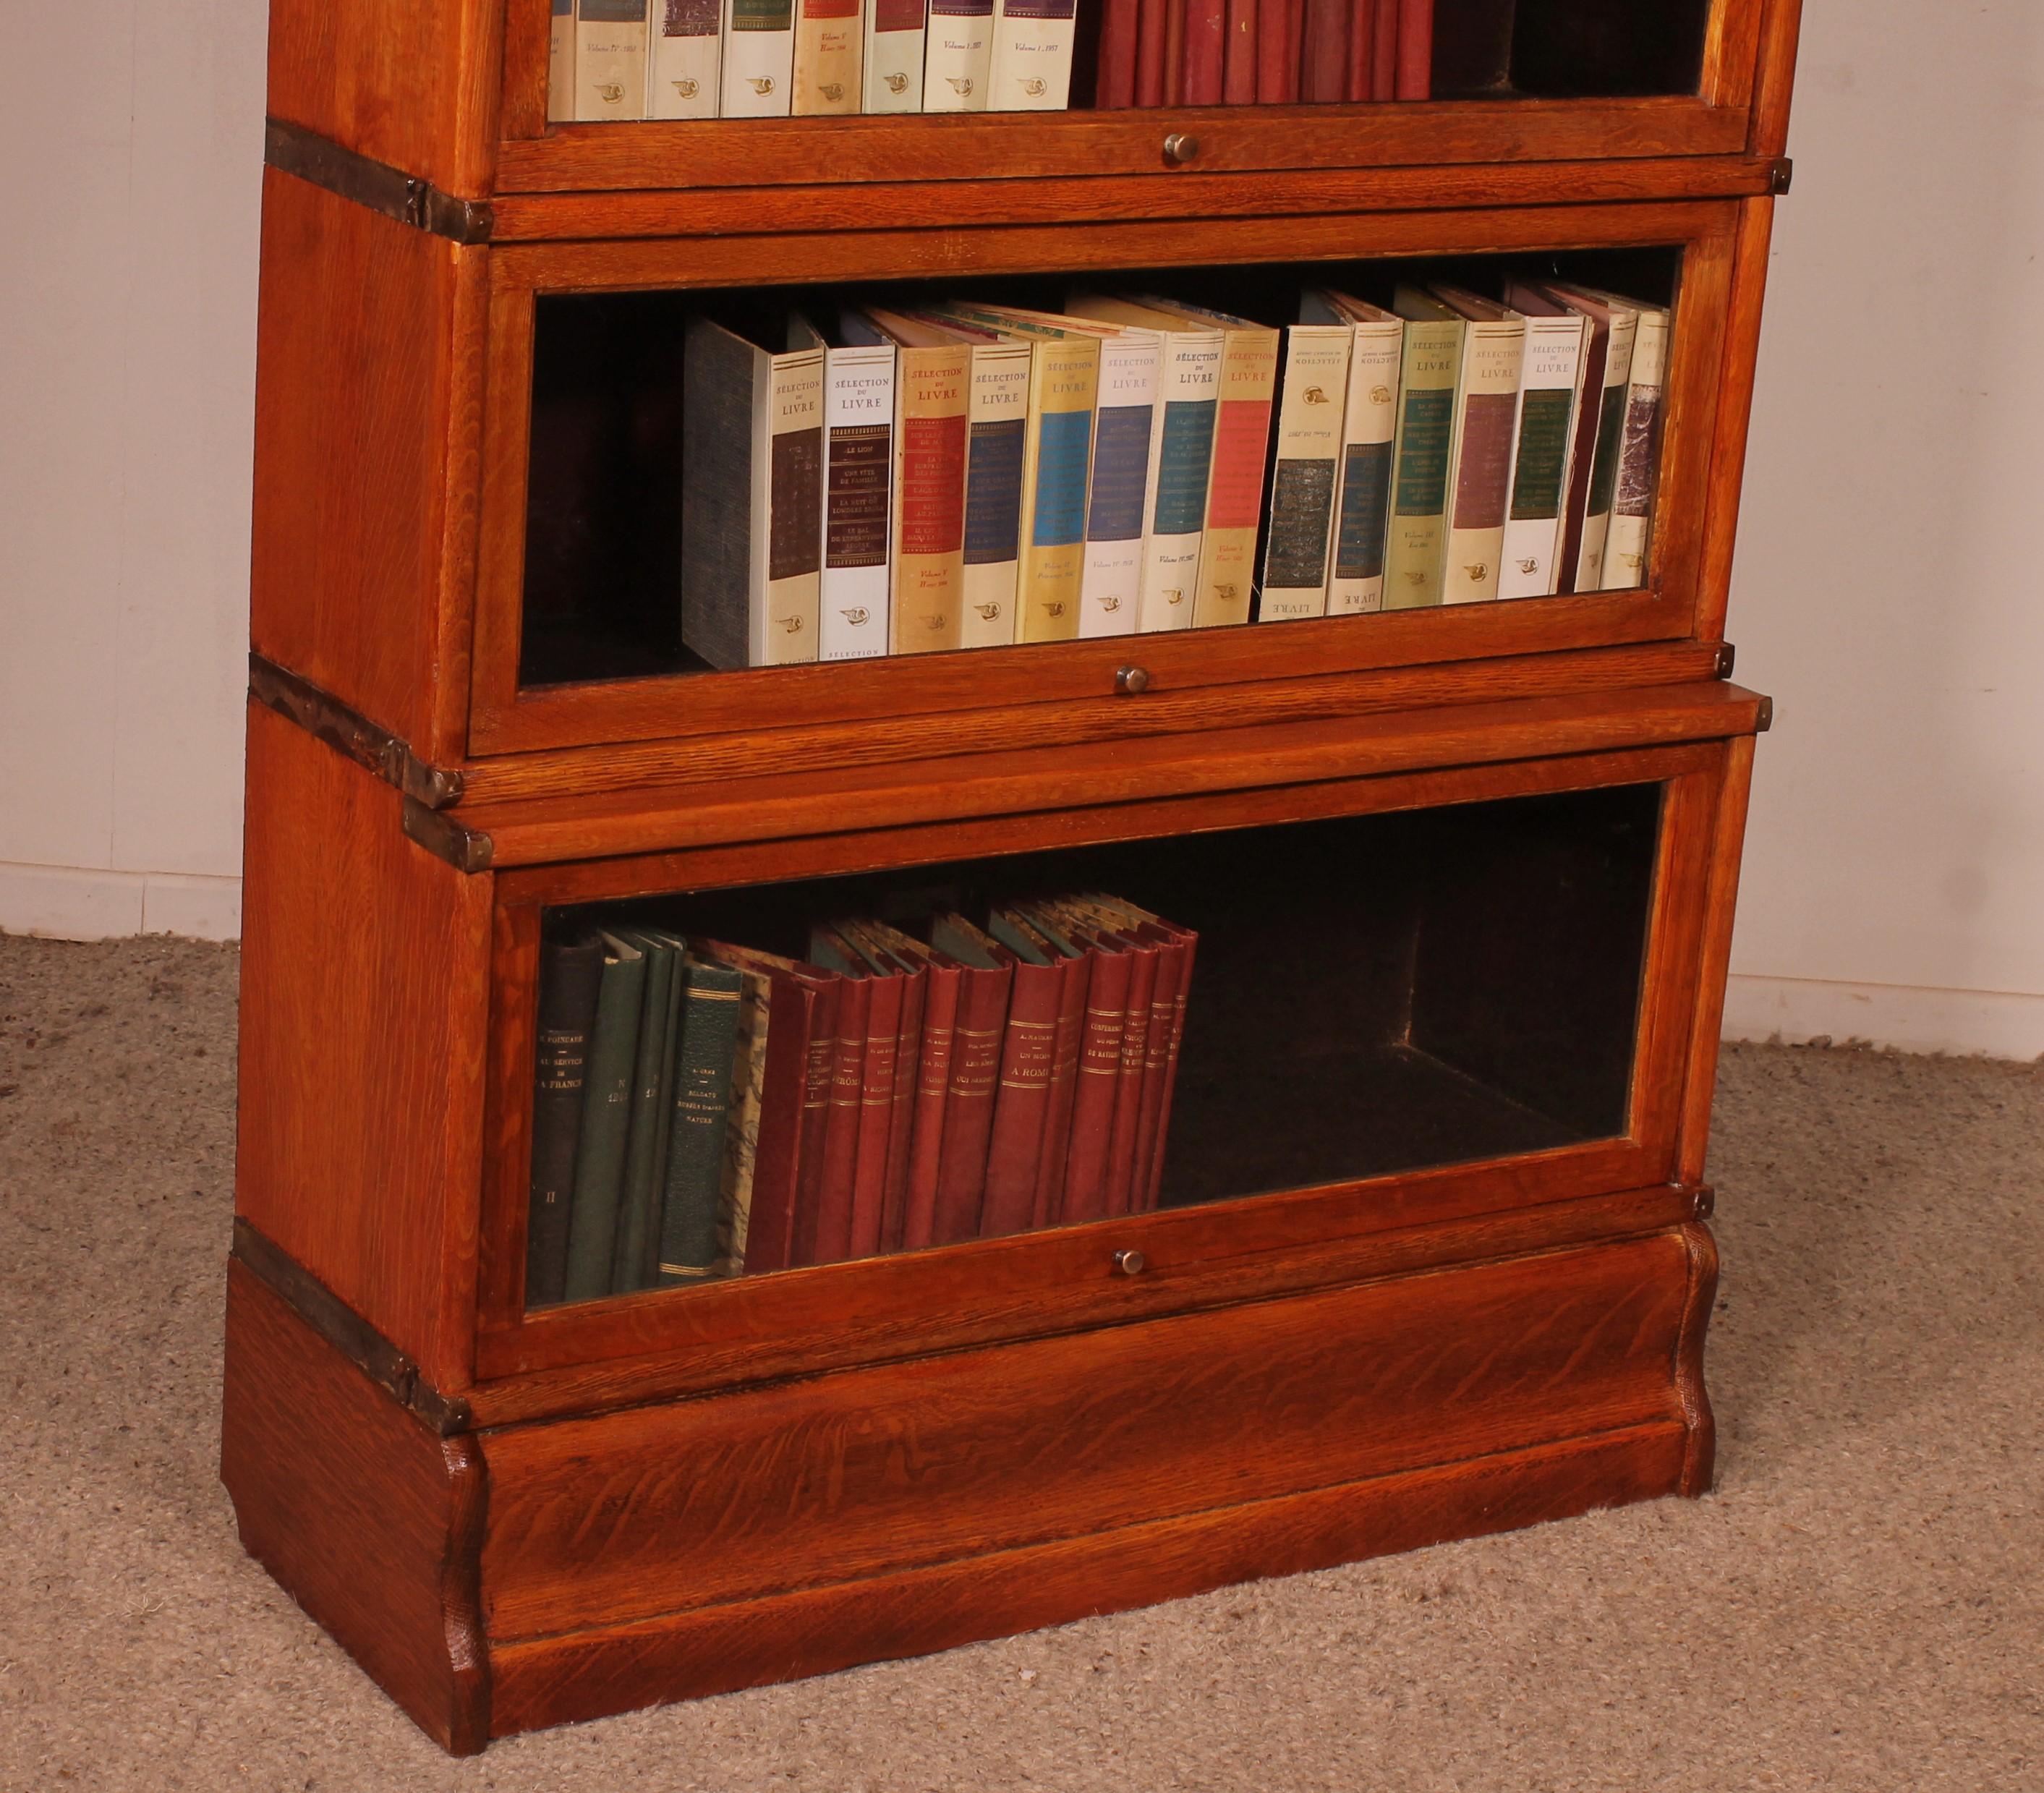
x=60 y=904
x=1904 y=1017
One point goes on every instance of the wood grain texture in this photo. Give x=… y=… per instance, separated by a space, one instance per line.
x=352 y=514
x=618 y=1667
x=1701 y=1425
x=1734 y=417
x=1706 y=1013
x=1775 y=78
x=365 y=1012
x=841 y=1478
x=372 y=1524
x=956 y=787
x=412 y=86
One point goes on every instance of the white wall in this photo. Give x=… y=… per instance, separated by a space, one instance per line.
x=1889 y=589
x=1888 y=581
x=127 y=343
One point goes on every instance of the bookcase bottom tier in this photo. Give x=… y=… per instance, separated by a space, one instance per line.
x=516 y=1577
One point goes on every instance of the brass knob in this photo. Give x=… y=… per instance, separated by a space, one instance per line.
x=1180 y=148
x=1131 y=1263
x=1130 y=681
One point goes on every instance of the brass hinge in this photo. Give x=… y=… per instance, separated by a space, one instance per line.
x=1779 y=175
x=466 y=850
x=293 y=150
x=352 y=733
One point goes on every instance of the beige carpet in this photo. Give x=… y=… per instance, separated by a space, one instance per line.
x=1858 y=1606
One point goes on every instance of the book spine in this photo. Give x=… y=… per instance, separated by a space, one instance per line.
x=1115 y=86
x=1356 y=582
x=702 y=1111
x=750 y=1059
x=858 y=423
x=718 y=415
x=1187 y=946
x=1150 y=35
x=1076 y=976
x=830 y=45
x=818 y=1086
x=902 y=1111
x=1417 y=536
x=570 y=976
x=1632 y=505
x=1482 y=460
x=1323 y=70
x=832 y=1232
x=1582 y=451
x=1119 y=1186
x=783 y=1149
x=876 y=1115
x=894 y=35
x=683 y=60
x=1021 y=1108
x=1359 y=52
x=931 y=397
x=610 y=59
x=759 y=58
x=1609 y=446
x=1238 y=63
x=787 y=543
x=634 y=1255
x=1310 y=418
x=1206 y=51
x=944 y=988
x=968 y=1107
x=1064 y=383
x=1540 y=456
x=561 y=63
x=1111 y=586
x=1277 y=74
x=960 y=55
x=1098 y=1077
x=1033 y=41
x=1384 y=60
x=599 y=1173
x=1156 y=1037
x=1189 y=392
x=998 y=418
x=1235 y=494
x=1415 y=79
x=1174 y=52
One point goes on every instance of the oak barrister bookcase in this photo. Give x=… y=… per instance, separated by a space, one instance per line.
x=1432 y=1258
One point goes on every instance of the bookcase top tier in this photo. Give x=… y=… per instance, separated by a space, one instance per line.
x=455 y=97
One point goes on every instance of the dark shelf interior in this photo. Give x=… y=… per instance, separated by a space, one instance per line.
x=602 y=596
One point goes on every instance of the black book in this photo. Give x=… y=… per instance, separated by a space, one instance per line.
x=571 y=974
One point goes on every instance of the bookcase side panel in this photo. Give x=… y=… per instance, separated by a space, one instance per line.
x=364 y=1015
x=410 y=84
x=360 y=479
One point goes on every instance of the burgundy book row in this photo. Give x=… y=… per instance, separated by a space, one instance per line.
x=707 y=1110
x=1267 y=52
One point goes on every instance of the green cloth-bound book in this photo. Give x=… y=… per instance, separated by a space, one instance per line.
x=633 y=1256
x=703 y=1063
x=606 y=1120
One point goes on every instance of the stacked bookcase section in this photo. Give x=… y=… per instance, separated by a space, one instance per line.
x=756 y=1159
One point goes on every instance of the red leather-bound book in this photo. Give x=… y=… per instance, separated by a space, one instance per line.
x=829 y=1229
x=943 y=980
x=1277 y=52
x=1150 y=32
x=1098 y=1072
x=986 y=991
x=1028 y=1058
x=1076 y=959
x=1362 y=42
x=830 y=947
x=1174 y=52
x=1120 y=32
x=1323 y=70
x=1384 y=58
x=1238 y=77
x=1416 y=50
x=1163 y=1035
x=1206 y=50
x=909 y=968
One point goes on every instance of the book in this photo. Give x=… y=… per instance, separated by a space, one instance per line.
x=606 y=1121
x=1238 y=63
x=835 y=948
x=704 y=1061
x=997 y=422
x=944 y=985
x=1174 y=52
x=1324 y=71
x=1369 y=426
x=1114 y=86
x=1027 y=928
x=909 y=968
x=1098 y=1070
x=609 y=59
x=1599 y=437
x=1487 y=408
x=987 y=989
x=1416 y=539
x=1384 y=62
x=1206 y=51
x=1626 y=548
x=830 y=47
x=561 y=63
x=1359 y=52
x=1278 y=50
x=859 y=474
x=1036 y=1016
x=1549 y=390
x=827 y=1228
x=750 y=1059
x=1414 y=78
x=1299 y=528
x=758 y=60
x=570 y=976
x=932 y=394
x=752 y=499
x=1032 y=63
x=893 y=63
x=1151 y=50
x=1178 y=948
x=635 y=1254
x=684 y=59
x=801 y=1056
x=959 y=54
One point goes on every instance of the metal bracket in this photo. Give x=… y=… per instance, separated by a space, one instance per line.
x=1765 y=719
x=348 y=1333
x=1705 y=1202
x=466 y=850
x=293 y=150
x=1779 y=174
x=352 y=733
x=1728 y=657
